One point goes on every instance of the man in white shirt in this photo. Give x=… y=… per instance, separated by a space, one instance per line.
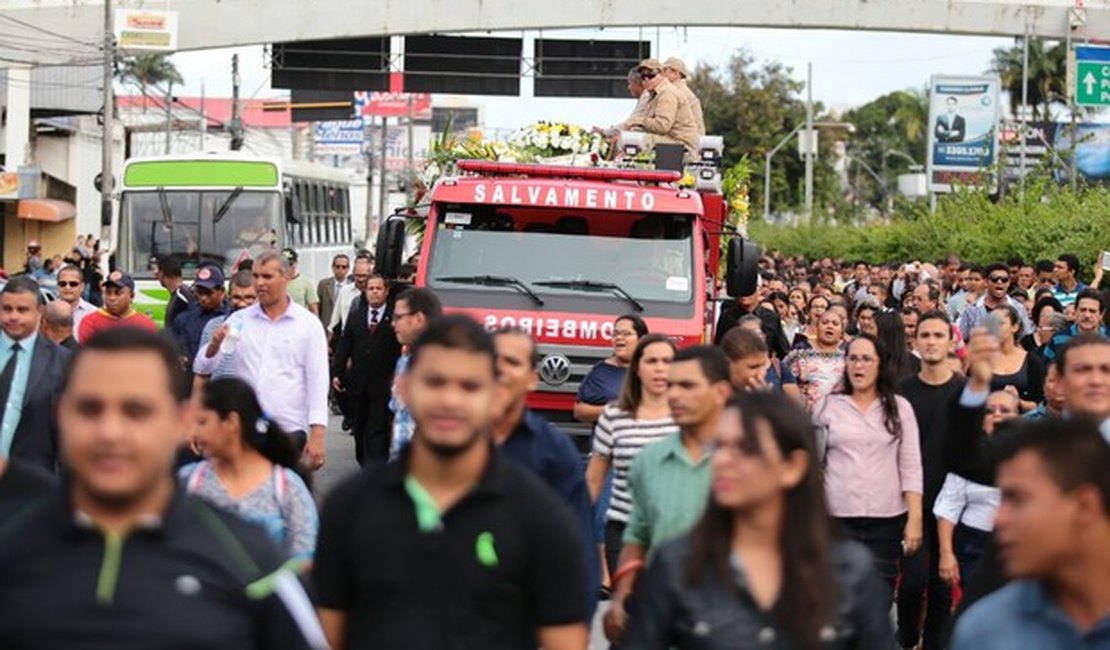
x=71 y=284
x=282 y=352
x=348 y=294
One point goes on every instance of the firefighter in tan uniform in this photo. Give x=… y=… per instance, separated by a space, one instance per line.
x=674 y=69
x=666 y=115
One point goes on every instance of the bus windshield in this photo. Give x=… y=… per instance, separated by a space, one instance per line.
x=198 y=226
x=637 y=257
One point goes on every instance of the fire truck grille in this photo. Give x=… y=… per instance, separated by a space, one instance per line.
x=562 y=368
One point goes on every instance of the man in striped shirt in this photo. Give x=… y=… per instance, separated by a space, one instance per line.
x=669 y=481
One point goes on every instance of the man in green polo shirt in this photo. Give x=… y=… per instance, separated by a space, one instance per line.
x=669 y=480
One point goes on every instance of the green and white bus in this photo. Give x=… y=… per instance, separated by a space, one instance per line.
x=224 y=208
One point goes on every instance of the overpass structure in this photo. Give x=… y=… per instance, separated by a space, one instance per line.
x=207 y=24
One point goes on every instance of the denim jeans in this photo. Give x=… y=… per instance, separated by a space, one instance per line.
x=922 y=594
x=969 y=544
x=883 y=537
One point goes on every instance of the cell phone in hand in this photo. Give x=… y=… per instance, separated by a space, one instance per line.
x=1106 y=260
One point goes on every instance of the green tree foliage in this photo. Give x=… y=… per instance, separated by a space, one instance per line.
x=888 y=130
x=1050 y=220
x=753 y=105
x=148 y=70
x=1047 y=74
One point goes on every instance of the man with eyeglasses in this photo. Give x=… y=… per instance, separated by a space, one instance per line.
x=997 y=293
x=71 y=287
x=345 y=304
x=666 y=115
x=328 y=289
x=348 y=295
x=412 y=312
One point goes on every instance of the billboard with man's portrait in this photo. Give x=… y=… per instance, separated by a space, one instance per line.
x=963 y=131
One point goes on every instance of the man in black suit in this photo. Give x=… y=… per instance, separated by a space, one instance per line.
x=365 y=358
x=32 y=370
x=951 y=127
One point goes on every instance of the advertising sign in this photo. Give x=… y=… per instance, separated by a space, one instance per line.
x=963 y=131
x=146 y=30
x=338 y=138
x=1092 y=149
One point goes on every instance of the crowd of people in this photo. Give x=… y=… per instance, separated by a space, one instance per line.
x=869 y=456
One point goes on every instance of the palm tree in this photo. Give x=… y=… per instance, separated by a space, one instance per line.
x=1047 y=74
x=148 y=70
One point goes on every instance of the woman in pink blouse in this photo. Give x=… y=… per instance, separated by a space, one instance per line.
x=873 y=474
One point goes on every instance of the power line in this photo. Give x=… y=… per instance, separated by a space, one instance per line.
x=65 y=37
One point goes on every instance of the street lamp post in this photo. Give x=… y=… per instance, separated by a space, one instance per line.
x=851 y=128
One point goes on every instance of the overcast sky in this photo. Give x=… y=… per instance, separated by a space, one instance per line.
x=849 y=68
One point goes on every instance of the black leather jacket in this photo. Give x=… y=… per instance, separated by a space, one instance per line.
x=669 y=612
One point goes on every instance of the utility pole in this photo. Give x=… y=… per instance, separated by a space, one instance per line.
x=1024 y=102
x=169 y=118
x=810 y=142
x=381 y=169
x=410 y=171
x=106 y=181
x=203 y=120
x=236 y=120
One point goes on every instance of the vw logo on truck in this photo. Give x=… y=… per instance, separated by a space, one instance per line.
x=555 y=369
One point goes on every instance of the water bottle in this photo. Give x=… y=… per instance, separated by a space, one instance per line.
x=231 y=339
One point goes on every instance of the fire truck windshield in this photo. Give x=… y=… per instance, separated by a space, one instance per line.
x=649 y=256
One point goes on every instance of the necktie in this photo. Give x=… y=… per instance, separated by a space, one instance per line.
x=8 y=376
x=373 y=320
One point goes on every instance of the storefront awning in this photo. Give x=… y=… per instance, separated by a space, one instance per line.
x=49 y=210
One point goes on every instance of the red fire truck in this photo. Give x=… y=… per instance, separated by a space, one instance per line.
x=560 y=252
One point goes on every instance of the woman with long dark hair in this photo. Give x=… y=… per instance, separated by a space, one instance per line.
x=249 y=467
x=1016 y=368
x=873 y=472
x=891 y=330
x=763 y=567
x=639 y=417
x=603 y=383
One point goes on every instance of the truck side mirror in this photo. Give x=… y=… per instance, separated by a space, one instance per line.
x=390 y=249
x=741 y=267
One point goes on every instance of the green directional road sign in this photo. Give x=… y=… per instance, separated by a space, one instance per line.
x=1092 y=76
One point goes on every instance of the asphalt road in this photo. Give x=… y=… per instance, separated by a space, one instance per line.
x=341 y=464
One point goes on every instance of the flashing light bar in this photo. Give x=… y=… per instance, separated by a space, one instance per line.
x=565 y=171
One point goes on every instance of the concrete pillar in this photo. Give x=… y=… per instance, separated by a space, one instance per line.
x=17 y=131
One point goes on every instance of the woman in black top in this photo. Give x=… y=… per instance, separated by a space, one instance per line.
x=1017 y=368
x=763 y=568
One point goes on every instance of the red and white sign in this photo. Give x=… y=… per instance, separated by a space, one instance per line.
x=565 y=196
x=563 y=330
x=374 y=104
